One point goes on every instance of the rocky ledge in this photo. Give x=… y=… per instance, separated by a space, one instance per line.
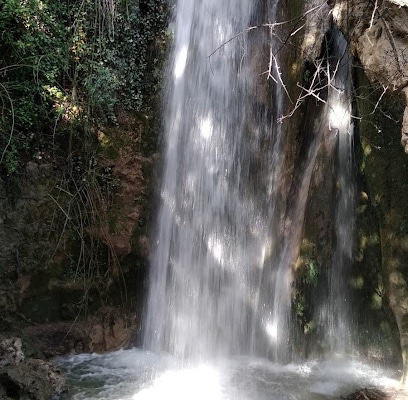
x=24 y=378
x=378 y=36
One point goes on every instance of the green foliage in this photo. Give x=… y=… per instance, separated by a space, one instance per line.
x=34 y=52
x=67 y=69
x=302 y=294
x=65 y=63
x=311 y=273
x=117 y=58
x=137 y=55
x=101 y=87
x=300 y=305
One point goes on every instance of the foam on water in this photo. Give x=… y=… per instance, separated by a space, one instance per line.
x=139 y=375
x=200 y=383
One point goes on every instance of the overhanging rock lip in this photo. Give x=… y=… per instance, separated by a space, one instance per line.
x=401 y=3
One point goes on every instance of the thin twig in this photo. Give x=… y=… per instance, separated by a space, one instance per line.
x=59 y=206
x=373 y=14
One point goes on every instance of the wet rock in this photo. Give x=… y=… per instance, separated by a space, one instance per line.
x=28 y=378
x=378 y=36
x=11 y=352
x=32 y=379
x=368 y=394
x=111 y=331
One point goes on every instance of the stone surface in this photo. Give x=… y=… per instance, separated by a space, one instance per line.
x=317 y=23
x=378 y=37
x=24 y=378
x=32 y=379
x=110 y=331
x=74 y=265
x=11 y=352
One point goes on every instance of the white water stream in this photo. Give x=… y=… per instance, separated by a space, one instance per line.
x=139 y=375
x=212 y=273
x=335 y=313
x=219 y=299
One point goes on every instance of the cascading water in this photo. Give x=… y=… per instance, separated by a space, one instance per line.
x=209 y=290
x=335 y=313
x=219 y=300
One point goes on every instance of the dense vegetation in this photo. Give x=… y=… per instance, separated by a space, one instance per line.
x=69 y=66
x=79 y=81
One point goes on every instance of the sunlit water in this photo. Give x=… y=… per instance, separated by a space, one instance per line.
x=220 y=283
x=335 y=313
x=139 y=375
x=215 y=249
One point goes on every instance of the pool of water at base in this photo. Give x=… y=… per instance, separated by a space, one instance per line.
x=140 y=375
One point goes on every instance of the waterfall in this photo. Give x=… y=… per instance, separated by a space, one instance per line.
x=239 y=219
x=336 y=311
x=212 y=268
x=225 y=248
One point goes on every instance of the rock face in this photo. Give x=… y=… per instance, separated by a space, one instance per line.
x=377 y=34
x=11 y=352
x=73 y=259
x=27 y=378
x=378 y=37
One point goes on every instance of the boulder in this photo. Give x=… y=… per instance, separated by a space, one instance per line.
x=27 y=378
x=11 y=352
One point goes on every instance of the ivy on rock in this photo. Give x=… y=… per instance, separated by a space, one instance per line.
x=68 y=66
